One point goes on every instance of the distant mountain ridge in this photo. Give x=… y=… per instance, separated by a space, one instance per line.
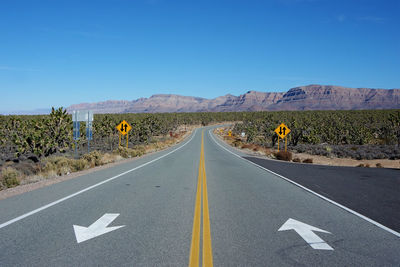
x=310 y=97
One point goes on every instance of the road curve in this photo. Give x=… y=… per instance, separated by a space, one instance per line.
x=142 y=214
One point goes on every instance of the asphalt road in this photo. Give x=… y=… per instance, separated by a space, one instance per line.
x=240 y=208
x=372 y=192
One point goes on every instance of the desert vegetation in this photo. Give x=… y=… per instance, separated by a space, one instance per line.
x=43 y=146
x=361 y=134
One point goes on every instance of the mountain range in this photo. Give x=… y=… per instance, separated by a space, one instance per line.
x=310 y=97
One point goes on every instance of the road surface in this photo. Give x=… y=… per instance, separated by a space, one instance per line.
x=194 y=203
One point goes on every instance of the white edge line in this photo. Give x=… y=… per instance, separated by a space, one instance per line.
x=90 y=187
x=312 y=192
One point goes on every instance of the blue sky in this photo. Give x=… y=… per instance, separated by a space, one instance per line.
x=58 y=53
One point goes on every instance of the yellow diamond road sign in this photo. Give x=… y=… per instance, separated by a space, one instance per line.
x=282 y=130
x=124 y=127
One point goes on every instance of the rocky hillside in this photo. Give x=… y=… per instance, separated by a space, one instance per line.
x=311 y=97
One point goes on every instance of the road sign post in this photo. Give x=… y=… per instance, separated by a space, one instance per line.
x=278 y=143
x=89 y=133
x=77 y=117
x=123 y=129
x=282 y=131
x=76 y=128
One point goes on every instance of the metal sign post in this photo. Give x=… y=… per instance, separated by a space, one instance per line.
x=76 y=128
x=89 y=134
x=77 y=117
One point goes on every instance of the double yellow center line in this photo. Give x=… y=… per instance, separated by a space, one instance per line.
x=195 y=245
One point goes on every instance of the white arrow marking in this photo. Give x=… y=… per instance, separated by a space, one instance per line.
x=306 y=232
x=97 y=228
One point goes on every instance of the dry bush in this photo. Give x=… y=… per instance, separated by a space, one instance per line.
x=267 y=151
x=379 y=165
x=10 y=177
x=27 y=168
x=248 y=146
x=367 y=166
x=360 y=165
x=308 y=161
x=284 y=155
x=93 y=158
x=296 y=160
x=79 y=165
x=57 y=166
x=237 y=143
x=108 y=158
x=130 y=153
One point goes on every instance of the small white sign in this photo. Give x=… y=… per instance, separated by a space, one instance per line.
x=82 y=115
x=243 y=134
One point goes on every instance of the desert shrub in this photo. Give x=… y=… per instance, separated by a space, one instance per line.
x=94 y=158
x=130 y=153
x=123 y=152
x=107 y=158
x=308 y=160
x=78 y=164
x=249 y=146
x=57 y=166
x=237 y=143
x=296 y=160
x=284 y=155
x=267 y=151
x=44 y=136
x=367 y=166
x=62 y=165
x=379 y=165
x=26 y=168
x=138 y=151
x=360 y=165
x=10 y=177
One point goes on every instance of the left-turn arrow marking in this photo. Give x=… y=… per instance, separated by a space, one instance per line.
x=97 y=228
